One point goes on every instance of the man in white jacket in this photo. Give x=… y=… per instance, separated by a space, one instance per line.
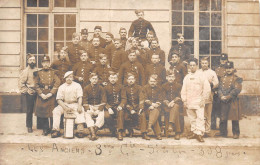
x=195 y=90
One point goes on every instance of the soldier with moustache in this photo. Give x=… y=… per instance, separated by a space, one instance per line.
x=123 y=39
x=155 y=49
x=150 y=37
x=140 y=53
x=117 y=56
x=27 y=88
x=229 y=88
x=74 y=49
x=97 y=34
x=47 y=83
x=110 y=47
x=94 y=51
x=84 y=39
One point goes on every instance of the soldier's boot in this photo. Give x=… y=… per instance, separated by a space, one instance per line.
x=177 y=136
x=145 y=136
x=170 y=129
x=93 y=134
x=55 y=134
x=120 y=136
x=80 y=129
x=235 y=136
x=131 y=132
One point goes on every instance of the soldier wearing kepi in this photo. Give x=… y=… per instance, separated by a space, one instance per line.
x=27 y=88
x=116 y=101
x=153 y=98
x=213 y=80
x=47 y=83
x=94 y=100
x=84 y=39
x=74 y=49
x=229 y=88
x=97 y=34
x=69 y=98
x=194 y=92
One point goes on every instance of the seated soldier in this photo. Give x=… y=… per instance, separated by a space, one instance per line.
x=116 y=100
x=69 y=98
x=83 y=69
x=94 y=100
x=155 y=49
x=171 y=105
x=102 y=69
x=153 y=98
x=136 y=47
x=134 y=104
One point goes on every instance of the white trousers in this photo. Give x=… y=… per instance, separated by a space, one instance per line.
x=207 y=115
x=197 y=122
x=93 y=112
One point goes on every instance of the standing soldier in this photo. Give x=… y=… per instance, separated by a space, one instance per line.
x=183 y=50
x=47 y=83
x=74 y=49
x=118 y=56
x=123 y=39
x=153 y=98
x=27 y=88
x=110 y=47
x=140 y=27
x=116 y=101
x=194 y=92
x=84 y=39
x=213 y=81
x=97 y=34
x=229 y=88
x=155 y=49
x=94 y=51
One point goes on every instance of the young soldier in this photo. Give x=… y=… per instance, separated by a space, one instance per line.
x=47 y=83
x=135 y=104
x=229 y=88
x=69 y=98
x=110 y=47
x=183 y=50
x=195 y=91
x=171 y=104
x=97 y=34
x=153 y=97
x=116 y=100
x=94 y=51
x=103 y=69
x=27 y=88
x=155 y=49
x=74 y=49
x=62 y=65
x=123 y=39
x=134 y=67
x=94 y=100
x=84 y=39
x=178 y=67
x=140 y=26
x=213 y=80
x=156 y=68
x=118 y=55
x=83 y=69
x=140 y=54
x=150 y=36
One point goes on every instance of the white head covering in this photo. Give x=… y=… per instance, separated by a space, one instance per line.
x=68 y=73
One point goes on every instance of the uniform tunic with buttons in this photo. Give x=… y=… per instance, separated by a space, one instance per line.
x=110 y=47
x=102 y=41
x=62 y=66
x=26 y=80
x=180 y=71
x=220 y=71
x=152 y=95
x=157 y=51
x=94 y=52
x=82 y=69
x=156 y=69
x=85 y=44
x=46 y=82
x=103 y=73
x=123 y=42
x=135 y=97
x=139 y=28
x=74 y=53
x=116 y=95
x=184 y=52
x=140 y=55
x=230 y=86
x=171 y=92
x=132 y=67
x=117 y=59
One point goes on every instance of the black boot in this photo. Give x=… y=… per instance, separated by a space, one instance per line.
x=145 y=136
x=93 y=134
x=120 y=136
x=29 y=129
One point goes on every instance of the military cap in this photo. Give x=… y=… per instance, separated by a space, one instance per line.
x=29 y=55
x=110 y=34
x=193 y=60
x=229 y=64
x=138 y=11
x=68 y=73
x=98 y=27
x=224 y=56
x=84 y=31
x=46 y=58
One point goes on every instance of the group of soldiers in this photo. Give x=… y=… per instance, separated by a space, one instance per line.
x=122 y=84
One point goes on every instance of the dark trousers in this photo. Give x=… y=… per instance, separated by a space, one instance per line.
x=30 y=101
x=153 y=116
x=173 y=117
x=110 y=121
x=131 y=121
x=215 y=112
x=45 y=123
x=223 y=127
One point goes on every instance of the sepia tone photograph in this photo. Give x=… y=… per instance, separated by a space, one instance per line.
x=122 y=82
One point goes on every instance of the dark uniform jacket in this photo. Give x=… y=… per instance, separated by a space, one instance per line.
x=85 y=44
x=156 y=69
x=46 y=82
x=62 y=66
x=180 y=71
x=152 y=95
x=139 y=28
x=102 y=41
x=123 y=42
x=132 y=67
x=141 y=55
x=82 y=69
x=116 y=95
x=74 y=53
x=171 y=92
x=135 y=97
x=103 y=72
x=94 y=95
x=158 y=51
x=117 y=59
x=110 y=47
x=184 y=51
x=230 y=86
x=94 y=52
x=220 y=71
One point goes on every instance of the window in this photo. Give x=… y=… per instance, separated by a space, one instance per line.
x=201 y=23
x=46 y=26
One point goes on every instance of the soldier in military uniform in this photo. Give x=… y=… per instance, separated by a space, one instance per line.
x=153 y=98
x=183 y=50
x=62 y=65
x=97 y=34
x=150 y=37
x=84 y=39
x=47 y=83
x=83 y=69
x=134 y=105
x=229 y=88
x=140 y=27
x=140 y=54
x=155 y=49
x=220 y=71
x=171 y=105
x=118 y=56
x=94 y=51
x=155 y=68
x=114 y=109
x=110 y=47
x=74 y=49
x=94 y=100
x=123 y=39
x=27 y=88
x=134 y=67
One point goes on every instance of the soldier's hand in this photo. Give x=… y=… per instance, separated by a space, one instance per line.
x=223 y=98
x=140 y=112
x=119 y=108
x=48 y=95
x=30 y=91
x=93 y=62
x=110 y=111
x=80 y=109
x=80 y=79
x=133 y=112
x=151 y=107
x=104 y=83
x=43 y=96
